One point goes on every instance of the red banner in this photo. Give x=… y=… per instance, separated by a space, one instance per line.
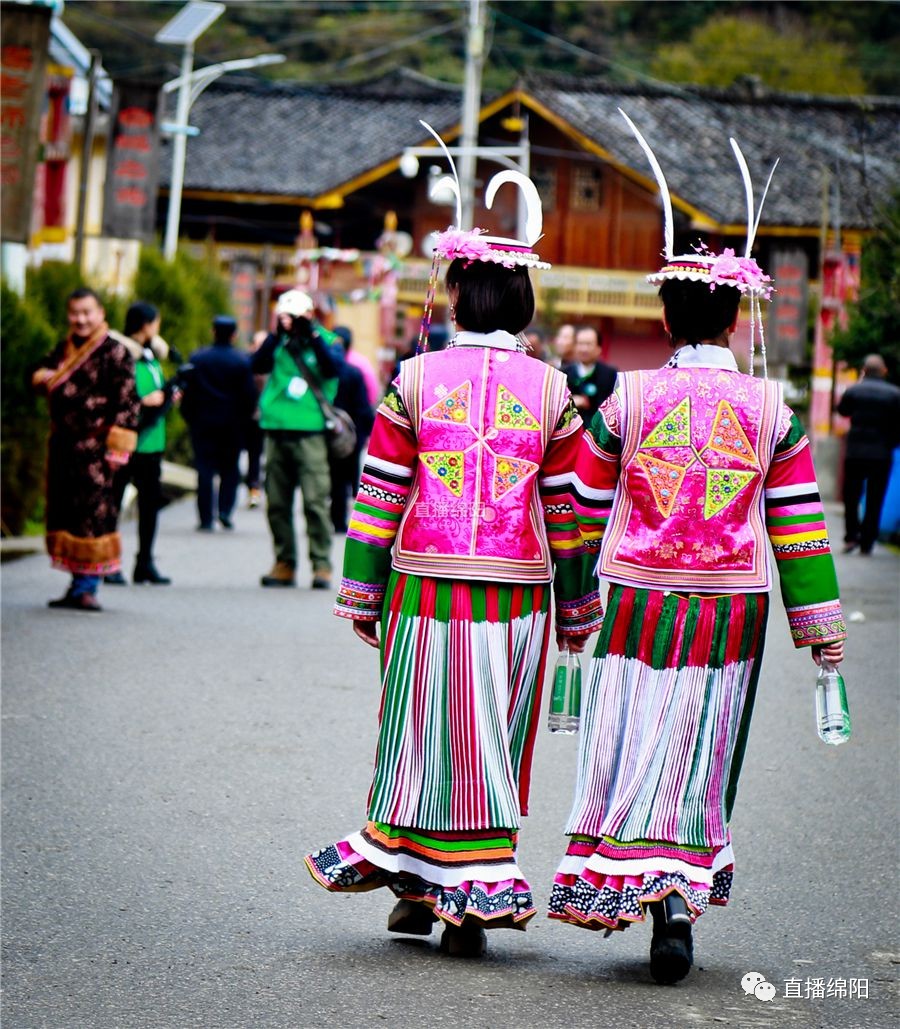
x=24 y=32
x=132 y=168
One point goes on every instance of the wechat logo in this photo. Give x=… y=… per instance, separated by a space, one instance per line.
x=755 y=983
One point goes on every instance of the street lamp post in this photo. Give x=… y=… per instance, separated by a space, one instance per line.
x=184 y=29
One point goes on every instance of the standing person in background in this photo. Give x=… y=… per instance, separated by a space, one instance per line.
x=353 y=357
x=590 y=380
x=219 y=399
x=296 y=450
x=563 y=346
x=873 y=407
x=255 y=435
x=88 y=380
x=353 y=398
x=142 y=340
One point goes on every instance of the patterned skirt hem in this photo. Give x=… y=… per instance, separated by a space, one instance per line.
x=597 y=895
x=506 y=904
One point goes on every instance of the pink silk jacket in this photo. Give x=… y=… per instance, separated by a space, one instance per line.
x=483 y=418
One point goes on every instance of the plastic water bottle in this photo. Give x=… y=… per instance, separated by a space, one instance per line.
x=565 y=696
x=832 y=713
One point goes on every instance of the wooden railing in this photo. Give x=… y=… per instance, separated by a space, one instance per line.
x=564 y=290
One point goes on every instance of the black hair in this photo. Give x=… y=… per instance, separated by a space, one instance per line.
x=695 y=312
x=224 y=331
x=82 y=293
x=138 y=315
x=490 y=296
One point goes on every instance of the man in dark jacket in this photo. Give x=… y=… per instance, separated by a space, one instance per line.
x=590 y=380
x=873 y=407
x=219 y=400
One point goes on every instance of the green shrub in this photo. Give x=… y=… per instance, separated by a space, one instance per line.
x=25 y=337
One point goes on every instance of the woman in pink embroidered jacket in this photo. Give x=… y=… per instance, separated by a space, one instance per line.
x=458 y=531
x=681 y=478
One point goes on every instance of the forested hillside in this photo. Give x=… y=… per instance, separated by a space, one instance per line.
x=826 y=47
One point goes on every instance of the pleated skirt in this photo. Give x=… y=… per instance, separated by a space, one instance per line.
x=462 y=667
x=665 y=720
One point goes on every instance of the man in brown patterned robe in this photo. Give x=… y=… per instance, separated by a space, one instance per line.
x=89 y=383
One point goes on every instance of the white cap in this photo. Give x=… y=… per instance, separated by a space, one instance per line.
x=296 y=303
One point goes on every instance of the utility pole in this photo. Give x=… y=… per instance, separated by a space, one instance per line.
x=471 y=107
x=84 y=165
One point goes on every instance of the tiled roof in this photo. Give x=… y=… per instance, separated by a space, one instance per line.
x=301 y=140
x=855 y=138
x=298 y=140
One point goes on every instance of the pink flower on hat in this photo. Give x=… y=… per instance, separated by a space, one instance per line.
x=741 y=272
x=456 y=243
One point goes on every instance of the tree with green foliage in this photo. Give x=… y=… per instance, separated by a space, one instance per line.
x=873 y=325
x=327 y=41
x=727 y=48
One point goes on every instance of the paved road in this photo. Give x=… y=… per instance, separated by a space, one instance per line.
x=167 y=763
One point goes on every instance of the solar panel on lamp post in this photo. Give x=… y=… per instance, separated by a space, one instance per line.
x=190 y=22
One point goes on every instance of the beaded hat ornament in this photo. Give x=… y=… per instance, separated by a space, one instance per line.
x=725 y=269
x=475 y=244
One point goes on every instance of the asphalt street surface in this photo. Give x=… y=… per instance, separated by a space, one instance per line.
x=167 y=763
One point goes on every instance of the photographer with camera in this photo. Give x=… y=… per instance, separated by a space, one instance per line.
x=300 y=366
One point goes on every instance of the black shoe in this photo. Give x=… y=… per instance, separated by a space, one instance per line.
x=115 y=579
x=672 y=946
x=226 y=522
x=83 y=602
x=148 y=573
x=412 y=917
x=205 y=528
x=464 y=941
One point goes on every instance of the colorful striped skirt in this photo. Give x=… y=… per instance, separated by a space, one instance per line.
x=664 y=727
x=462 y=668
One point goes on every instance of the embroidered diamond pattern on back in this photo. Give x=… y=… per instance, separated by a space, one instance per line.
x=510 y=472
x=447 y=466
x=727 y=436
x=674 y=429
x=511 y=413
x=453 y=407
x=722 y=486
x=665 y=481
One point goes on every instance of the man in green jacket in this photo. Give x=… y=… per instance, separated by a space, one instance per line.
x=296 y=449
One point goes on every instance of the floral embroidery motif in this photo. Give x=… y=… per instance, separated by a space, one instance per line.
x=727 y=436
x=722 y=486
x=511 y=413
x=673 y=430
x=665 y=481
x=510 y=472
x=447 y=466
x=453 y=407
